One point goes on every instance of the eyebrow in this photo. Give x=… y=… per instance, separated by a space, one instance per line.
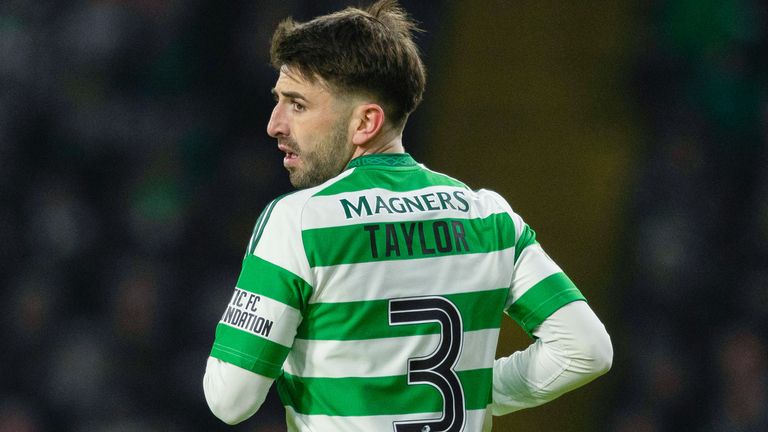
x=289 y=94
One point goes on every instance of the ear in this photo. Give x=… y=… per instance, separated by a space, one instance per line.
x=367 y=121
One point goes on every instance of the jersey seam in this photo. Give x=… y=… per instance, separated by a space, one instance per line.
x=559 y=296
x=245 y=356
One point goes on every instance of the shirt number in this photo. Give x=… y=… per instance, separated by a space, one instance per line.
x=435 y=369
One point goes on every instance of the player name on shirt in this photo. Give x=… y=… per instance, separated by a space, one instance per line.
x=335 y=236
x=432 y=201
x=417 y=238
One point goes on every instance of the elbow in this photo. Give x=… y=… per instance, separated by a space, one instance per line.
x=228 y=406
x=600 y=352
x=225 y=411
x=603 y=364
x=224 y=414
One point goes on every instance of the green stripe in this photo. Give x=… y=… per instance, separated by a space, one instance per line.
x=378 y=396
x=527 y=238
x=396 y=179
x=264 y=278
x=382 y=159
x=370 y=319
x=542 y=300
x=352 y=244
x=248 y=351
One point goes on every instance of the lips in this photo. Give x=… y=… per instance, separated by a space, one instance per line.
x=291 y=156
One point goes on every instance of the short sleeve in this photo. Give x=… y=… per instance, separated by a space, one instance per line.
x=538 y=286
x=258 y=326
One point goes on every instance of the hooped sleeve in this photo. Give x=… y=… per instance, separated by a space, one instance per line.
x=259 y=323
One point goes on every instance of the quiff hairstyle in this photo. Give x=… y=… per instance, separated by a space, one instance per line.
x=368 y=51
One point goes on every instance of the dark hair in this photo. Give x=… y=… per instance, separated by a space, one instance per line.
x=358 y=50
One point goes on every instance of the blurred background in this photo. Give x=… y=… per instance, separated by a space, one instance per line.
x=134 y=162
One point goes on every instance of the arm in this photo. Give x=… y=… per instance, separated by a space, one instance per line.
x=233 y=394
x=257 y=329
x=572 y=348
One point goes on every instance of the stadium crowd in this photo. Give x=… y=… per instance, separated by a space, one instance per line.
x=134 y=154
x=695 y=286
x=133 y=164
x=134 y=159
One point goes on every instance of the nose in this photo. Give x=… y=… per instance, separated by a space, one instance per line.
x=278 y=124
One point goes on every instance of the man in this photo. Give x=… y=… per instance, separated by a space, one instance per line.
x=374 y=295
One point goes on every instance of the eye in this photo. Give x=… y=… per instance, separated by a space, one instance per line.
x=298 y=107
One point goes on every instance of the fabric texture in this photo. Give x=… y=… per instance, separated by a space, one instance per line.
x=375 y=299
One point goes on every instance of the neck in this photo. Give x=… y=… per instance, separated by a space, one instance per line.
x=389 y=142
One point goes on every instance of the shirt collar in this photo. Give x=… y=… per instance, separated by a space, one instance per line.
x=383 y=159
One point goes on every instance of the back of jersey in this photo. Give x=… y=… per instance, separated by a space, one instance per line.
x=411 y=275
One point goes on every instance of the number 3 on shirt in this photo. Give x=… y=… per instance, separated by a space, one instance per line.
x=435 y=369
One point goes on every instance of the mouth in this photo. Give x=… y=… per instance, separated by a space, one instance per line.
x=291 y=157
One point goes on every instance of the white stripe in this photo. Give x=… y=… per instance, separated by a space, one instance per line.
x=406 y=278
x=476 y=421
x=267 y=214
x=504 y=206
x=328 y=211
x=281 y=242
x=384 y=357
x=532 y=266
x=262 y=316
x=260 y=225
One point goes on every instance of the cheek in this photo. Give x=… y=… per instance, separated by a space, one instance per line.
x=302 y=138
x=308 y=133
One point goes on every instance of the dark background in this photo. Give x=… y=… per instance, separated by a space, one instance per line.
x=134 y=162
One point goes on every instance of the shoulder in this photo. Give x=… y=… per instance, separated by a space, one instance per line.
x=273 y=217
x=286 y=210
x=484 y=197
x=493 y=198
x=492 y=203
x=282 y=217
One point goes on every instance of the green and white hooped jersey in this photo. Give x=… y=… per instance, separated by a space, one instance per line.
x=375 y=299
